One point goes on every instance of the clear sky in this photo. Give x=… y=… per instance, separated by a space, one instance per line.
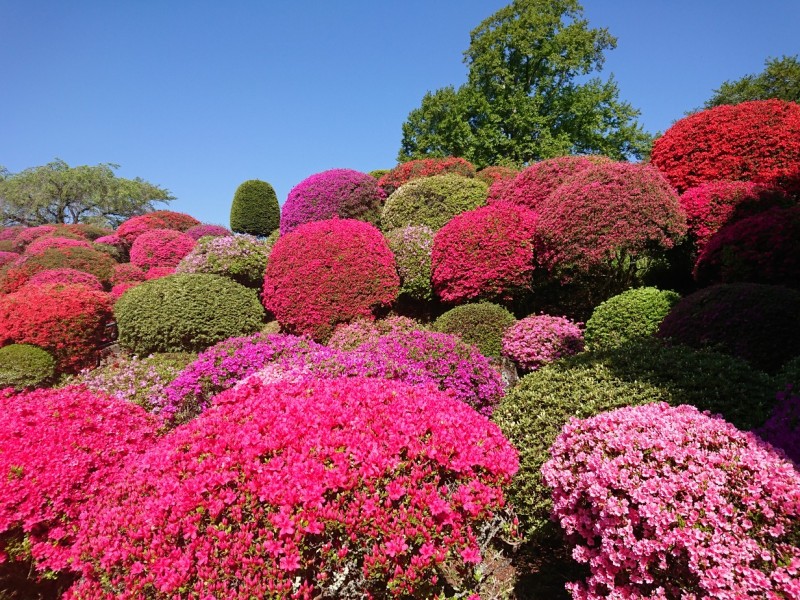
x=198 y=96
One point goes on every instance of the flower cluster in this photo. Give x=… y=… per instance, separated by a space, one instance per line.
x=198 y=231
x=44 y=242
x=160 y=219
x=242 y=258
x=537 y=340
x=28 y=234
x=411 y=247
x=662 y=502
x=424 y=167
x=65 y=276
x=160 y=248
x=782 y=428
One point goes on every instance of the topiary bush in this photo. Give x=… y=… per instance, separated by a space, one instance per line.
x=628 y=316
x=255 y=209
x=24 y=366
x=432 y=201
x=341 y=193
x=485 y=253
x=185 y=313
x=481 y=324
x=411 y=247
x=538 y=340
x=160 y=248
x=424 y=167
x=14 y=275
x=65 y=277
x=329 y=272
x=242 y=258
x=129 y=230
x=755 y=141
x=203 y=230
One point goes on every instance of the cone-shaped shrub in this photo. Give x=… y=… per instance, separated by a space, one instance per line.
x=255 y=209
x=160 y=219
x=242 y=258
x=481 y=324
x=412 y=247
x=25 y=366
x=14 y=275
x=160 y=248
x=199 y=231
x=424 y=167
x=537 y=340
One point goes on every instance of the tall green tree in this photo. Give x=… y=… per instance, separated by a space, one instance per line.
x=779 y=79
x=58 y=193
x=529 y=94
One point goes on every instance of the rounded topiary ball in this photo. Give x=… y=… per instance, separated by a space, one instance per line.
x=412 y=250
x=24 y=366
x=537 y=340
x=185 y=313
x=255 y=209
x=129 y=230
x=481 y=324
x=160 y=248
x=243 y=258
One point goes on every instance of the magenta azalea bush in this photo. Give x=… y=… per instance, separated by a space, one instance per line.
x=65 y=277
x=203 y=230
x=41 y=244
x=782 y=428
x=160 y=248
x=348 y=336
x=668 y=502
x=7 y=257
x=537 y=340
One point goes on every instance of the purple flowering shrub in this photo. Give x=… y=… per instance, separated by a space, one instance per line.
x=782 y=428
x=537 y=340
x=666 y=502
x=412 y=248
x=242 y=258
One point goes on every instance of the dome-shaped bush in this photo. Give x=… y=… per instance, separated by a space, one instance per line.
x=120 y=288
x=25 y=366
x=160 y=248
x=753 y=141
x=432 y=201
x=185 y=313
x=782 y=428
x=28 y=234
x=412 y=247
x=424 y=167
x=537 y=340
x=41 y=244
x=7 y=257
x=255 y=209
x=329 y=272
x=126 y=272
x=15 y=274
x=631 y=315
x=484 y=253
x=491 y=175
x=481 y=324
x=341 y=193
x=349 y=336
x=203 y=230
x=129 y=230
x=86 y=230
x=758 y=323
x=64 y=277
x=242 y=258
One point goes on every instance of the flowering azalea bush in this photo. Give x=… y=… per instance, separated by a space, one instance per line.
x=782 y=428
x=411 y=247
x=348 y=336
x=28 y=234
x=41 y=244
x=158 y=273
x=160 y=248
x=66 y=276
x=9 y=233
x=242 y=258
x=662 y=502
x=129 y=230
x=493 y=174
x=424 y=167
x=15 y=274
x=125 y=273
x=7 y=257
x=198 y=231
x=536 y=340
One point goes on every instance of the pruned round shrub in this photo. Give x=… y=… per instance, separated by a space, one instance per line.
x=41 y=244
x=114 y=246
x=126 y=272
x=753 y=141
x=329 y=272
x=14 y=275
x=86 y=230
x=120 y=288
x=628 y=316
x=491 y=175
x=538 y=340
x=28 y=234
x=203 y=230
x=432 y=201
x=24 y=366
x=424 y=167
x=662 y=501
x=7 y=257
x=758 y=323
x=242 y=258
x=181 y=313
x=481 y=324
x=68 y=321
x=368 y=499
x=160 y=248
x=411 y=247
x=255 y=209
x=349 y=336
x=129 y=230
x=338 y=193
x=66 y=277
x=485 y=253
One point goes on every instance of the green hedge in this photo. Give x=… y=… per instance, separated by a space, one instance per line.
x=481 y=324
x=25 y=366
x=255 y=209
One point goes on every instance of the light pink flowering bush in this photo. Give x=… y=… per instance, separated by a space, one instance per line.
x=672 y=503
x=536 y=340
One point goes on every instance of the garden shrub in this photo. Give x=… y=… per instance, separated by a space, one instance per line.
x=485 y=253
x=65 y=277
x=758 y=323
x=203 y=230
x=255 y=209
x=126 y=272
x=490 y=175
x=10 y=232
x=782 y=428
x=432 y=201
x=114 y=246
x=424 y=167
x=129 y=230
x=41 y=244
x=368 y=501
x=24 y=366
x=349 y=336
x=481 y=324
x=7 y=257
x=29 y=234
x=15 y=274
x=378 y=173
x=411 y=247
x=185 y=313
x=338 y=193
x=538 y=340
x=158 y=272
x=242 y=258
x=329 y=272
x=663 y=502
x=755 y=141
x=631 y=315
x=86 y=230
x=160 y=248
x=120 y=288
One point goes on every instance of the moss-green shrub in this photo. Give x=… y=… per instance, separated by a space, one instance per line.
x=242 y=258
x=185 y=313
x=432 y=201
x=411 y=247
x=627 y=316
x=255 y=208
x=378 y=173
x=789 y=375
x=25 y=366
x=481 y=324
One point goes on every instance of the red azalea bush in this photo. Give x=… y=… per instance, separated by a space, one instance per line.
x=494 y=174
x=15 y=274
x=7 y=257
x=160 y=219
x=424 y=167
x=41 y=244
x=387 y=483
x=125 y=272
x=203 y=230
x=329 y=272
x=484 y=253
x=66 y=320
x=120 y=288
x=537 y=340
x=753 y=141
x=66 y=277
x=668 y=502
x=160 y=248
x=158 y=273
x=341 y=193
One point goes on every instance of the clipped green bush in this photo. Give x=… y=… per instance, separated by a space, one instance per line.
x=411 y=247
x=432 y=201
x=481 y=324
x=631 y=315
x=255 y=209
x=185 y=313
x=25 y=366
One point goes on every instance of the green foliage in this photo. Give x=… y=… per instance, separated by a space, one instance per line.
x=255 y=209
x=185 y=313
x=481 y=324
x=24 y=366
x=527 y=96
x=779 y=79
x=628 y=316
x=378 y=173
x=789 y=375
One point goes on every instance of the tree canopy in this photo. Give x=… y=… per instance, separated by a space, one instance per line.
x=780 y=79
x=58 y=193
x=529 y=94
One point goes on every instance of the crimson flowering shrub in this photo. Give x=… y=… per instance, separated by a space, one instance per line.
x=411 y=247
x=7 y=257
x=782 y=428
x=119 y=289
x=129 y=230
x=126 y=272
x=491 y=175
x=341 y=193
x=537 y=340
x=160 y=248
x=386 y=484
x=66 y=277
x=424 y=167
x=9 y=233
x=15 y=274
x=158 y=273
x=198 y=231
x=753 y=141
x=41 y=244
x=484 y=253
x=329 y=272
x=668 y=502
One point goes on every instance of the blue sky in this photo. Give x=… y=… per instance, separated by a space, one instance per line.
x=199 y=96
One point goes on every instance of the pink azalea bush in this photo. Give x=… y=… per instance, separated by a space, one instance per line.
x=668 y=502
x=120 y=288
x=41 y=244
x=131 y=229
x=537 y=340
x=160 y=248
x=126 y=272
x=65 y=276
x=198 y=231
x=7 y=257
x=28 y=234
x=386 y=484
x=348 y=336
